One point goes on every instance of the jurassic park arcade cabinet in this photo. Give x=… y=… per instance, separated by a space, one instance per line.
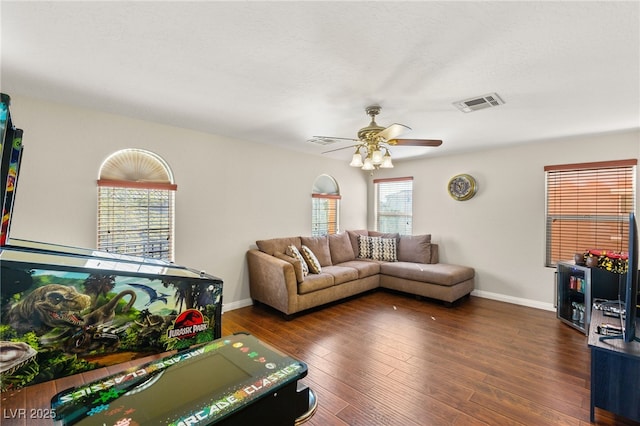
x=67 y=310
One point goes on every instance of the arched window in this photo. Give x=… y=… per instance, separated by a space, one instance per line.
x=325 y=199
x=136 y=205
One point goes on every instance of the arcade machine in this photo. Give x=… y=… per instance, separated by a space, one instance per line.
x=236 y=380
x=67 y=310
x=10 y=156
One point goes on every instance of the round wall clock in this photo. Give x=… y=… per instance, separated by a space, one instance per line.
x=462 y=187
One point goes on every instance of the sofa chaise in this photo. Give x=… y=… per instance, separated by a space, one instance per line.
x=347 y=264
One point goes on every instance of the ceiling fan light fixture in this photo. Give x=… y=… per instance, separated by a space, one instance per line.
x=386 y=161
x=373 y=139
x=376 y=156
x=356 y=160
x=368 y=164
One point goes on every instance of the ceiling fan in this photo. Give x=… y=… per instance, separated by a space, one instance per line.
x=373 y=138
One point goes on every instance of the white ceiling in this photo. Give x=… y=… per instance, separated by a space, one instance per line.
x=281 y=72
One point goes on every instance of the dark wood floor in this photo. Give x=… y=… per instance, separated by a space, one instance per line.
x=389 y=359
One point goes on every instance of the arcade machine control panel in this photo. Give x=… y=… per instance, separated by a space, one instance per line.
x=235 y=380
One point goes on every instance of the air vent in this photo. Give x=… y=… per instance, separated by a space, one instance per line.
x=319 y=140
x=479 y=102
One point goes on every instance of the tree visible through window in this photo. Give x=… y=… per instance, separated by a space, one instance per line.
x=588 y=207
x=394 y=205
x=136 y=205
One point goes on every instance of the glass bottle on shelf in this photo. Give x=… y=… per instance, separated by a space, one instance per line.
x=573 y=295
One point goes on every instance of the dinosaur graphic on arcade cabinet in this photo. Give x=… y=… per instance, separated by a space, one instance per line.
x=154 y=296
x=48 y=307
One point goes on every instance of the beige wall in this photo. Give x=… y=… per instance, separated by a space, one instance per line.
x=230 y=192
x=501 y=231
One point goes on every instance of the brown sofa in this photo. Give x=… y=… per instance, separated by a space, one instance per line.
x=351 y=263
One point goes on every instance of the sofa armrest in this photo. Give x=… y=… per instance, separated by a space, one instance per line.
x=272 y=281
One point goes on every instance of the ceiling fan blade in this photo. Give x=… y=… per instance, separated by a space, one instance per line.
x=329 y=139
x=393 y=131
x=340 y=149
x=415 y=142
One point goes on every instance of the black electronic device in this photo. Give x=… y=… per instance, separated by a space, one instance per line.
x=628 y=319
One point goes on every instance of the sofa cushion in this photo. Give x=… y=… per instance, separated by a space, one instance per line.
x=377 y=248
x=365 y=267
x=434 y=273
x=341 y=274
x=340 y=248
x=320 y=247
x=353 y=237
x=311 y=259
x=277 y=244
x=414 y=248
x=315 y=282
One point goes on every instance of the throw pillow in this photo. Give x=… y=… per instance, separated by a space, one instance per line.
x=293 y=251
x=384 y=234
x=416 y=248
x=353 y=237
x=320 y=248
x=297 y=265
x=340 y=247
x=377 y=248
x=311 y=259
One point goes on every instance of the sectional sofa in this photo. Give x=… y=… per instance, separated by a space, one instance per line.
x=347 y=264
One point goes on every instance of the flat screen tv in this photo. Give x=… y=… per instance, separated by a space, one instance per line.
x=630 y=294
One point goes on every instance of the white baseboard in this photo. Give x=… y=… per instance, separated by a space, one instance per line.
x=236 y=305
x=515 y=300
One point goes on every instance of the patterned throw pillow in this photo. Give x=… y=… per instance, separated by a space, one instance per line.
x=377 y=248
x=293 y=251
x=311 y=259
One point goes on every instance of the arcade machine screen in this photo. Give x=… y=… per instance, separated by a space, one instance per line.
x=198 y=386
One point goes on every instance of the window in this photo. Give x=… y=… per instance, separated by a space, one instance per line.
x=325 y=200
x=588 y=207
x=394 y=205
x=136 y=205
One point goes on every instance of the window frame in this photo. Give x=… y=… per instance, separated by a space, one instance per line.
x=136 y=205
x=398 y=184
x=587 y=206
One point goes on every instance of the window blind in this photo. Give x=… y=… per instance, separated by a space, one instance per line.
x=324 y=214
x=394 y=205
x=587 y=207
x=136 y=218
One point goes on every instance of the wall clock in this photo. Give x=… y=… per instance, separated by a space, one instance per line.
x=462 y=187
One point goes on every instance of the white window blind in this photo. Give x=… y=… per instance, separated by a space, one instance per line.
x=588 y=207
x=394 y=205
x=136 y=219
